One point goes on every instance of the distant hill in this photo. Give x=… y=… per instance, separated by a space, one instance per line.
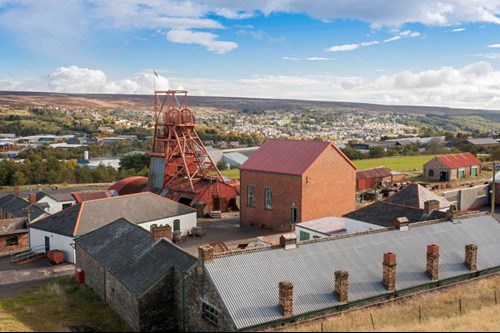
x=145 y=102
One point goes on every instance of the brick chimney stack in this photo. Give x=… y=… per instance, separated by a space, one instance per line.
x=16 y=190
x=286 y=298
x=389 y=273
x=342 y=286
x=402 y=223
x=32 y=198
x=433 y=262
x=160 y=232
x=205 y=254
x=430 y=206
x=288 y=241
x=471 y=257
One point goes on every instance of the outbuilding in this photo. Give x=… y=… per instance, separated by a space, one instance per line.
x=60 y=230
x=454 y=166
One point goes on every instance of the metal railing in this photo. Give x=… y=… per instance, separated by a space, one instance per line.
x=19 y=258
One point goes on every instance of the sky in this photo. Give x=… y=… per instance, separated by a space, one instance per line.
x=432 y=53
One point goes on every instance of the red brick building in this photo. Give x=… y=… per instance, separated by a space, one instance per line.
x=291 y=181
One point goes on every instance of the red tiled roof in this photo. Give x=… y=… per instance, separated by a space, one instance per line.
x=291 y=157
x=380 y=172
x=459 y=160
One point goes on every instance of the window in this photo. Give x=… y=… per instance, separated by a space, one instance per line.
x=12 y=241
x=268 y=201
x=431 y=173
x=461 y=173
x=210 y=313
x=304 y=236
x=293 y=214
x=177 y=225
x=473 y=171
x=66 y=205
x=251 y=199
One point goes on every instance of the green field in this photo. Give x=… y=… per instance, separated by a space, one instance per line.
x=399 y=163
x=233 y=173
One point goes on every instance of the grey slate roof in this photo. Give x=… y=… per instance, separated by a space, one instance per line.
x=248 y=283
x=415 y=195
x=58 y=195
x=14 y=225
x=16 y=206
x=126 y=251
x=88 y=216
x=384 y=213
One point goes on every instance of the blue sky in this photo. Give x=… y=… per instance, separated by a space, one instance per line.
x=444 y=53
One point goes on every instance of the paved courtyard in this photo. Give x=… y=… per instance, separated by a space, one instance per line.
x=228 y=231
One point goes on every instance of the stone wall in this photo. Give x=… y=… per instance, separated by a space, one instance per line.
x=122 y=301
x=157 y=308
x=94 y=272
x=198 y=289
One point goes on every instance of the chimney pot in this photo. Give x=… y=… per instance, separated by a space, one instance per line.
x=160 y=232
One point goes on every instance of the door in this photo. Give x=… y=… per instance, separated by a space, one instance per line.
x=444 y=177
x=47 y=244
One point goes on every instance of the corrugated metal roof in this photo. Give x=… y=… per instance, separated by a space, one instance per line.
x=483 y=141
x=459 y=160
x=292 y=157
x=248 y=283
x=380 y=172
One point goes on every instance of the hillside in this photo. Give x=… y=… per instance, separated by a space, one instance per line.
x=142 y=102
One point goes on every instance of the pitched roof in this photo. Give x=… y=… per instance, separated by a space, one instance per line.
x=380 y=172
x=415 y=195
x=385 y=213
x=16 y=206
x=90 y=215
x=126 y=251
x=458 y=160
x=93 y=195
x=14 y=225
x=58 y=195
x=291 y=157
x=248 y=282
x=483 y=141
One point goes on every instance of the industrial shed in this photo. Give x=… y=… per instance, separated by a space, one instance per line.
x=60 y=230
x=374 y=177
x=454 y=166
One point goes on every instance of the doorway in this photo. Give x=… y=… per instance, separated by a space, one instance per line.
x=445 y=176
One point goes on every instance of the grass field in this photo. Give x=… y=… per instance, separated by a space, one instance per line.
x=440 y=312
x=398 y=163
x=232 y=173
x=61 y=306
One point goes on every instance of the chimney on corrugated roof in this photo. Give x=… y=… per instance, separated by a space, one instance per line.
x=471 y=257
x=389 y=272
x=433 y=262
x=205 y=254
x=342 y=286
x=402 y=223
x=430 y=206
x=286 y=298
x=288 y=241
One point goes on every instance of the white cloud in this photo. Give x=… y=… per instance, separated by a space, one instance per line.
x=206 y=39
x=473 y=86
x=458 y=30
x=345 y=47
x=350 y=47
x=494 y=46
x=83 y=80
x=308 y=58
